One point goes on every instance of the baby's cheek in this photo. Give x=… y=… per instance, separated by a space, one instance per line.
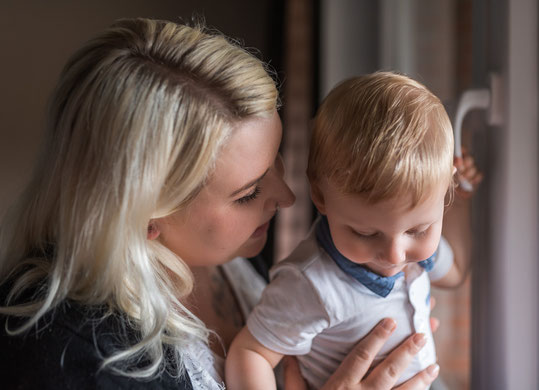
x=353 y=250
x=429 y=247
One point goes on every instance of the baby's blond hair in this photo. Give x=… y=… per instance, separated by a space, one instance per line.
x=382 y=136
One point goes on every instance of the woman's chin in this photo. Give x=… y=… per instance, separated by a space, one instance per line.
x=253 y=247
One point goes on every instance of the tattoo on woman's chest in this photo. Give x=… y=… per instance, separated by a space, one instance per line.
x=224 y=303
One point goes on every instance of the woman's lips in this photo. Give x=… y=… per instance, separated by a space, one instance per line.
x=262 y=229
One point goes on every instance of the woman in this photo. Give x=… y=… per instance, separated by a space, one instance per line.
x=161 y=164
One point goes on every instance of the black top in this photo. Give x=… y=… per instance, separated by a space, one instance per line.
x=62 y=353
x=63 y=350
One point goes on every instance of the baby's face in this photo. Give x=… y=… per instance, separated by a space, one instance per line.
x=385 y=236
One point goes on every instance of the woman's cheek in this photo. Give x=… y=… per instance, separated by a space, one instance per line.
x=250 y=218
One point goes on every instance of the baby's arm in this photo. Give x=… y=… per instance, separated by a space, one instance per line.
x=249 y=365
x=457 y=224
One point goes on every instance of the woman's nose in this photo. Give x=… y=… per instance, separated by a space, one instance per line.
x=287 y=197
x=284 y=195
x=281 y=195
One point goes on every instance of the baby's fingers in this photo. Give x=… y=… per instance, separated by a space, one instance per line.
x=467 y=170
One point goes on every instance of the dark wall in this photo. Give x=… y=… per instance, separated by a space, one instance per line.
x=37 y=37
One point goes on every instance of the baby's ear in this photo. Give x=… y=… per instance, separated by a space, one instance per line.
x=317 y=196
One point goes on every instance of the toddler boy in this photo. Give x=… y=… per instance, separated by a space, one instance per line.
x=380 y=168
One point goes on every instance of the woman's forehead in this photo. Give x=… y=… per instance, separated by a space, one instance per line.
x=247 y=155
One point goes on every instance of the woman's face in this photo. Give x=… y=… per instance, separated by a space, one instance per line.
x=230 y=216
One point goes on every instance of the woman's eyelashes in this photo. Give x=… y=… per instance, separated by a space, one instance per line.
x=366 y=235
x=251 y=196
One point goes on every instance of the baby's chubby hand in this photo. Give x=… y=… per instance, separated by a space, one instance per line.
x=467 y=170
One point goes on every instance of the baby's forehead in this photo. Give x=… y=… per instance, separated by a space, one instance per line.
x=401 y=189
x=359 y=209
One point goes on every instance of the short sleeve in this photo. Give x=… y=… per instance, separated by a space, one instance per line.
x=290 y=313
x=442 y=262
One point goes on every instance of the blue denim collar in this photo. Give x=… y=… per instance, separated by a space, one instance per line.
x=379 y=285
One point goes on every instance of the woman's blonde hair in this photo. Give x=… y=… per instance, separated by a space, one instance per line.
x=136 y=123
x=382 y=135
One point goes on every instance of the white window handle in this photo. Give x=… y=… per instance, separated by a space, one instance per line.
x=489 y=99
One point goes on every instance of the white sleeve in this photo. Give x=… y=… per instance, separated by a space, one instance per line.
x=289 y=314
x=443 y=261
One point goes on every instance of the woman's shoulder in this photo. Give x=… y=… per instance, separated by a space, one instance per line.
x=65 y=349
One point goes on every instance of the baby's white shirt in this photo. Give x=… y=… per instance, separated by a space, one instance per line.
x=314 y=310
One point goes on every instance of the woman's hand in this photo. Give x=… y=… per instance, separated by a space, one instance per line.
x=352 y=373
x=434 y=322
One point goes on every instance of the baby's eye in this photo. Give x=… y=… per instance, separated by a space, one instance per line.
x=247 y=198
x=417 y=233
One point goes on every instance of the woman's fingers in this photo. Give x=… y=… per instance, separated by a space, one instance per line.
x=355 y=366
x=350 y=374
x=421 y=380
x=434 y=324
x=293 y=380
x=432 y=303
x=391 y=368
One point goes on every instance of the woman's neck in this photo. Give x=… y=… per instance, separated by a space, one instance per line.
x=213 y=301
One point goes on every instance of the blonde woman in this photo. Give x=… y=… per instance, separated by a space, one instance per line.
x=123 y=265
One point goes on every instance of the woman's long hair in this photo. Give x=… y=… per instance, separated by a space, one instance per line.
x=135 y=125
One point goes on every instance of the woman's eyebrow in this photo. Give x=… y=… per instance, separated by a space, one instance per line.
x=250 y=184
